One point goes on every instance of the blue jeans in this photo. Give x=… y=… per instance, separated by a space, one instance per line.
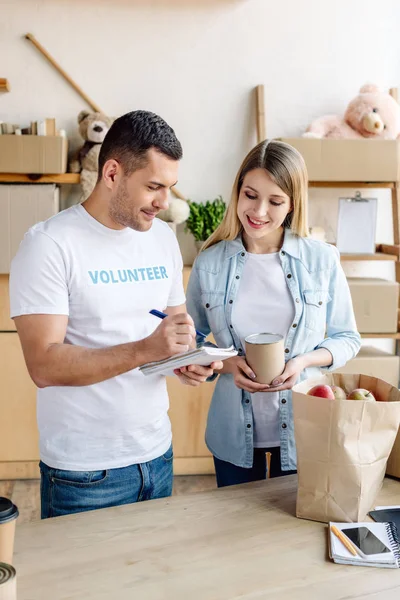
x=229 y=474
x=66 y=492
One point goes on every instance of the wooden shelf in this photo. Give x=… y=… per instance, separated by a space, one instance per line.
x=382 y=252
x=392 y=336
x=71 y=178
x=376 y=256
x=352 y=184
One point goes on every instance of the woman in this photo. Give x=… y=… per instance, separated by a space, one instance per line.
x=259 y=272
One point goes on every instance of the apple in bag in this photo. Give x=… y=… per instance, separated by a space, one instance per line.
x=338 y=392
x=322 y=391
x=361 y=394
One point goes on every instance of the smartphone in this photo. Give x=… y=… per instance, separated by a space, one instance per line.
x=365 y=540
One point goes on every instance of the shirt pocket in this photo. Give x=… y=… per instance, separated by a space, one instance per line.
x=213 y=304
x=315 y=304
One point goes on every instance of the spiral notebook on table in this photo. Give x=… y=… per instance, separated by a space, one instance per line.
x=375 y=544
x=384 y=514
x=203 y=355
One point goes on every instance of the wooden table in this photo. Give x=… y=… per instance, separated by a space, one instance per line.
x=242 y=542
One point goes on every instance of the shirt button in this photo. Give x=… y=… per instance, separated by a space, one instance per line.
x=284 y=425
x=247 y=401
x=283 y=400
x=242 y=254
x=231 y=326
x=248 y=426
x=297 y=299
x=283 y=253
x=207 y=305
x=288 y=275
x=320 y=302
x=237 y=277
x=240 y=350
x=294 y=325
x=287 y=350
x=230 y=301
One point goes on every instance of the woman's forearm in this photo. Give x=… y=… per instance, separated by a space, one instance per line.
x=228 y=365
x=317 y=358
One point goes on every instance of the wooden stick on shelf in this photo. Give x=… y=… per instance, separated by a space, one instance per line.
x=260 y=114
x=394 y=92
x=396 y=213
x=4 y=85
x=51 y=60
x=77 y=88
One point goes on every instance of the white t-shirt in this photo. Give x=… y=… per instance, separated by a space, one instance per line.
x=263 y=305
x=106 y=281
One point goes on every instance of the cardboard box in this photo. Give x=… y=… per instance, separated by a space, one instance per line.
x=375 y=303
x=349 y=160
x=21 y=206
x=375 y=363
x=18 y=429
x=6 y=324
x=33 y=154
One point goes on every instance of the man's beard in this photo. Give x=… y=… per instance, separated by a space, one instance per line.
x=121 y=211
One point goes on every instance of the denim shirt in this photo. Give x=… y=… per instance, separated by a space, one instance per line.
x=324 y=318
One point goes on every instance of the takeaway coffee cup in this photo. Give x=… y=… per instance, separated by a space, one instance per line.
x=265 y=355
x=8 y=518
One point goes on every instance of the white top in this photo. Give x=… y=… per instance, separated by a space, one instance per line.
x=106 y=281
x=263 y=305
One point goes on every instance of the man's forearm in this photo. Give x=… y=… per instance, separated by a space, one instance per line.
x=67 y=365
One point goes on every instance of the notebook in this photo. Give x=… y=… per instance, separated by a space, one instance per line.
x=384 y=514
x=203 y=355
x=376 y=545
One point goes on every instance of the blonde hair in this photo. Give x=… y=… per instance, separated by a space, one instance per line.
x=287 y=168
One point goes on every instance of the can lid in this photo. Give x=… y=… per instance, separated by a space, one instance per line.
x=263 y=338
x=8 y=510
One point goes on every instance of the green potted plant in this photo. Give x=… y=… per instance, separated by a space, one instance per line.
x=204 y=218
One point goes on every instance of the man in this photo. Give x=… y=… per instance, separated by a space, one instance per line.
x=81 y=287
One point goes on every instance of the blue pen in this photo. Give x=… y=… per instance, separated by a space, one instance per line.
x=162 y=315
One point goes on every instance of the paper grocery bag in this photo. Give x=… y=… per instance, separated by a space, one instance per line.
x=342 y=447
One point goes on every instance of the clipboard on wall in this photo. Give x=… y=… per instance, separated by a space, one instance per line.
x=356 y=228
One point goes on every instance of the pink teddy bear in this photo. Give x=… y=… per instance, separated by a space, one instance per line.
x=372 y=114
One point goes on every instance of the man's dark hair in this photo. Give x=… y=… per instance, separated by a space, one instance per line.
x=132 y=134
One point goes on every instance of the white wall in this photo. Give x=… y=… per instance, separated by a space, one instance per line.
x=196 y=62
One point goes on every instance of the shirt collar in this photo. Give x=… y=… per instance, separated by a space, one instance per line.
x=290 y=245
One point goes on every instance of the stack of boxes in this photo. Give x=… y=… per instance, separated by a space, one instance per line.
x=21 y=206
x=343 y=163
x=375 y=303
